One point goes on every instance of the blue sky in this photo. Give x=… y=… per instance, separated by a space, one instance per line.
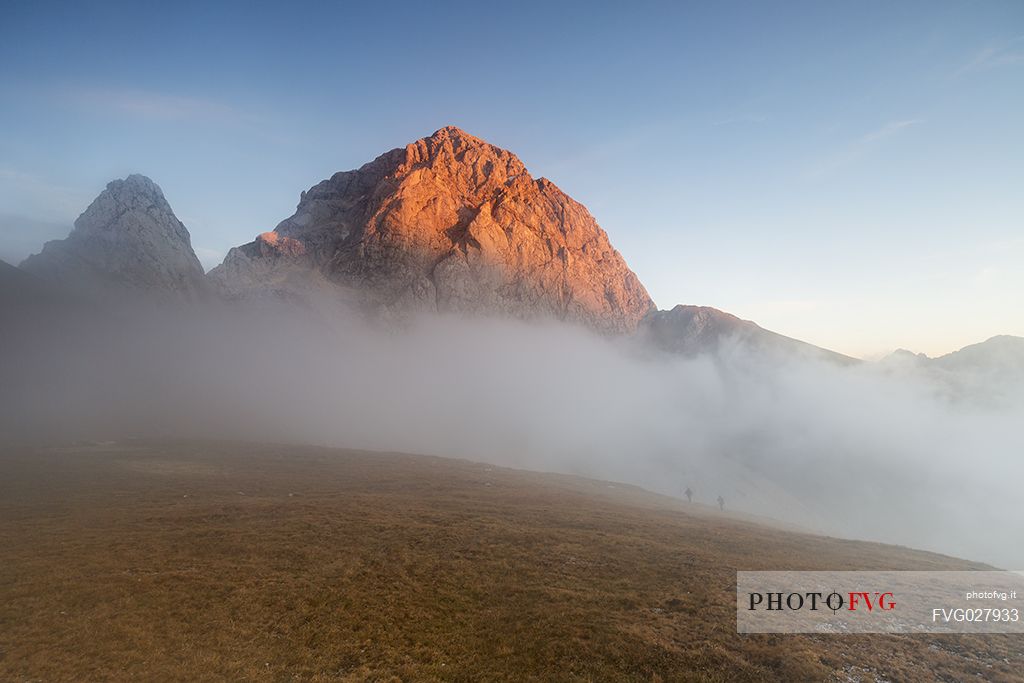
x=851 y=174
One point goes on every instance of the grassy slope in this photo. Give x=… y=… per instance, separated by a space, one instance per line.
x=201 y=561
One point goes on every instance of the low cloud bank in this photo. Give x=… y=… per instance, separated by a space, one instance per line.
x=873 y=452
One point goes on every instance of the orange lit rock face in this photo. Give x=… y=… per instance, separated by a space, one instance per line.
x=453 y=224
x=272 y=244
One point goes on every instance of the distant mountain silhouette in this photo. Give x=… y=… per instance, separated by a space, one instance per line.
x=690 y=330
x=1000 y=354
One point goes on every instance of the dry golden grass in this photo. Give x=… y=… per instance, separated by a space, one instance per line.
x=196 y=561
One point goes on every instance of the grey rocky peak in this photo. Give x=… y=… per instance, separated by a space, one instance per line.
x=128 y=241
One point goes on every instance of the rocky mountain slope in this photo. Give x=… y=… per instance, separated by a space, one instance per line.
x=448 y=223
x=690 y=330
x=127 y=242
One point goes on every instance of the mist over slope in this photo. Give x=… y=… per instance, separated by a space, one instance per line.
x=857 y=451
x=990 y=372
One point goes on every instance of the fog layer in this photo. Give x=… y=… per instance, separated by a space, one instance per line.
x=872 y=452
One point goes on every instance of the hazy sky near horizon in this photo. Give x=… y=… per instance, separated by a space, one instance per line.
x=851 y=174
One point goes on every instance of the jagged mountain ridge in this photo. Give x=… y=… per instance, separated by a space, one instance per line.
x=449 y=223
x=127 y=241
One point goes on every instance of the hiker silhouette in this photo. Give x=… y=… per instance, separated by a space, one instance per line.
x=689 y=494
x=721 y=503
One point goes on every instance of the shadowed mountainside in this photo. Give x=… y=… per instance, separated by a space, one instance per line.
x=691 y=330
